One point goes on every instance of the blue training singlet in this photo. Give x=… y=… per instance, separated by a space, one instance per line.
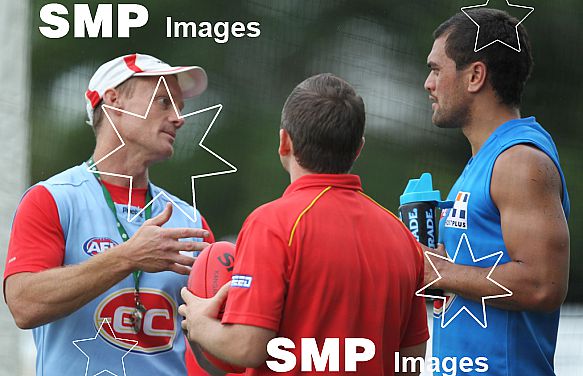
x=81 y=343
x=515 y=343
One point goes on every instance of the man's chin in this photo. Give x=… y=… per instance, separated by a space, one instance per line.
x=440 y=125
x=164 y=156
x=436 y=121
x=439 y=122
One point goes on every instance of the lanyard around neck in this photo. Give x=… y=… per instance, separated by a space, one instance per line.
x=122 y=231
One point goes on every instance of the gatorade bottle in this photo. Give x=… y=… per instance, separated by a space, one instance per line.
x=417 y=210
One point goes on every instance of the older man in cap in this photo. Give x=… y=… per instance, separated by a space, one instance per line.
x=93 y=268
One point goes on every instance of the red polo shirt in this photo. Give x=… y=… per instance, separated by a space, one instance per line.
x=326 y=261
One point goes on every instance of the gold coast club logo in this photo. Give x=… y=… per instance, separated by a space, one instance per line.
x=158 y=328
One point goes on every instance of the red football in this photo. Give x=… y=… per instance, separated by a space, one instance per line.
x=212 y=269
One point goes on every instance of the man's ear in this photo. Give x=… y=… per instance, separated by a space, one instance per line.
x=286 y=147
x=360 y=148
x=111 y=97
x=477 y=73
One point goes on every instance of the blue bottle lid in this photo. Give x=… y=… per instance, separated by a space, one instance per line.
x=421 y=190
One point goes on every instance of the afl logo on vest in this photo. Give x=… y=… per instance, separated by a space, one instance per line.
x=96 y=245
x=158 y=328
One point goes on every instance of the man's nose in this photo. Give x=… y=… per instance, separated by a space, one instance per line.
x=177 y=120
x=429 y=84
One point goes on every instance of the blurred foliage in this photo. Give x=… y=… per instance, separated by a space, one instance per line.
x=379 y=46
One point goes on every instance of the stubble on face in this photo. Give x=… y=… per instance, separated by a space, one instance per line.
x=446 y=88
x=453 y=112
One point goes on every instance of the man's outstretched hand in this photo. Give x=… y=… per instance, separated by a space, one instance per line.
x=155 y=249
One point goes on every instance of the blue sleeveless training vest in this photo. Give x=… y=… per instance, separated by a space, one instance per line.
x=515 y=343
x=90 y=228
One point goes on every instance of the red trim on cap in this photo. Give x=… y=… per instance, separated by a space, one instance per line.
x=93 y=97
x=130 y=61
x=174 y=69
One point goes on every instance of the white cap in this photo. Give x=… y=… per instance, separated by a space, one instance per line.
x=192 y=80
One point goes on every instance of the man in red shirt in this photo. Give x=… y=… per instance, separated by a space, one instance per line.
x=324 y=262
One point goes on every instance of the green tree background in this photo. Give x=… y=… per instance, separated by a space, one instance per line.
x=378 y=46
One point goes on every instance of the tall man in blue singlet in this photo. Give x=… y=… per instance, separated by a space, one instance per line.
x=101 y=292
x=511 y=197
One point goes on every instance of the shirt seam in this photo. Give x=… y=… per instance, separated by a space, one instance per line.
x=306 y=209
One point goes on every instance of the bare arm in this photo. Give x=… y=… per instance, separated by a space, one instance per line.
x=417 y=351
x=203 y=362
x=526 y=187
x=35 y=299
x=241 y=345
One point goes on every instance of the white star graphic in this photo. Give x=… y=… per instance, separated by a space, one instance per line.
x=98 y=367
x=464 y=240
x=217 y=107
x=517 y=49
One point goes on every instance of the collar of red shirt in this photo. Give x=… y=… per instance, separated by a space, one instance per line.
x=346 y=181
x=120 y=194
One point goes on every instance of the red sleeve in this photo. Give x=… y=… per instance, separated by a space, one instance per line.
x=205 y=225
x=417 y=331
x=262 y=265
x=37 y=241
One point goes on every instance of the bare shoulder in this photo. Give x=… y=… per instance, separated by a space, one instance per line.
x=524 y=172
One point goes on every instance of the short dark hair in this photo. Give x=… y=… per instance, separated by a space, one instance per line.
x=508 y=70
x=325 y=120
